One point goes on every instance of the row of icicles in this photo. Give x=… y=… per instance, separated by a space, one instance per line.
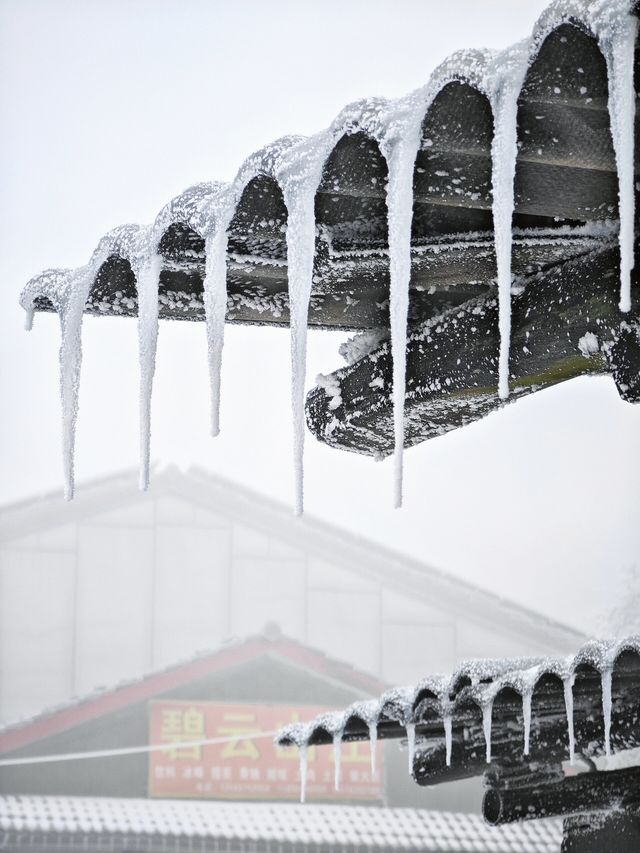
x=447 y=720
x=299 y=189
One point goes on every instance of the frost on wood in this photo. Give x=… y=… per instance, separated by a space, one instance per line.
x=398 y=221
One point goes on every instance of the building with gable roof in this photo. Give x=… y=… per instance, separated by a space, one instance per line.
x=138 y=581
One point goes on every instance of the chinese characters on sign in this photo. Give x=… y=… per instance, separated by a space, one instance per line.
x=246 y=767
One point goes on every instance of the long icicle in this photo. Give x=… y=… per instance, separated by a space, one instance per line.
x=411 y=744
x=215 y=310
x=606 y=677
x=619 y=51
x=526 y=714
x=28 y=318
x=71 y=315
x=568 y=703
x=301 y=237
x=373 y=745
x=448 y=737
x=504 y=152
x=302 y=755
x=487 y=714
x=337 y=758
x=400 y=213
x=148 y=281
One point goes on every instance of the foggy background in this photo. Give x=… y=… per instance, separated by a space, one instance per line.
x=111 y=108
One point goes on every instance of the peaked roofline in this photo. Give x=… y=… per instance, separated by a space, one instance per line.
x=353 y=552
x=158 y=682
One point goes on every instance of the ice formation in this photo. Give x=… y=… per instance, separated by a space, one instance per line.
x=606 y=676
x=215 y=306
x=617 y=32
x=448 y=737
x=487 y=711
x=411 y=744
x=303 y=772
x=148 y=280
x=373 y=744
x=526 y=713
x=567 y=683
x=589 y=344
x=337 y=757
x=504 y=151
x=482 y=682
x=296 y=165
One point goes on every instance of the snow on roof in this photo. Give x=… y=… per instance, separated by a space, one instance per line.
x=438 y=699
x=339 y=827
x=292 y=169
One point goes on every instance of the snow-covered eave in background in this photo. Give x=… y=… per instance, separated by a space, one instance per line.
x=479 y=682
x=296 y=165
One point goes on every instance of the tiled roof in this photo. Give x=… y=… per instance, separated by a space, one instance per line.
x=340 y=827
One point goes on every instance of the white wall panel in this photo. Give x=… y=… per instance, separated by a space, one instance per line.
x=268 y=590
x=113 y=604
x=191 y=591
x=411 y=651
x=345 y=624
x=35 y=630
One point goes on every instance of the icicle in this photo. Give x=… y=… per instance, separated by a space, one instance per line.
x=337 y=758
x=504 y=151
x=148 y=280
x=71 y=313
x=215 y=311
x=28 y=318
x=448 y=738
x=411 y=744
x=302 y=754
x=301 y=237
x=568 y=703
x=400 y=212
x=487 y=713
x=373 y=744
x=526 y=713
x=618 y=47
x=606 y=707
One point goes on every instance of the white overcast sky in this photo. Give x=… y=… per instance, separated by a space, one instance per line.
x=108 y=108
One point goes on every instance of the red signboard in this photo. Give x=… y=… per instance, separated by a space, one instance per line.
x=244 y=766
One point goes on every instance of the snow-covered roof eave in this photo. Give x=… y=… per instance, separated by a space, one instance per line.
x=440 y=698
x=295 y=165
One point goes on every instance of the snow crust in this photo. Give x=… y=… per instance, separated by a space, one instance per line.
x=296 y=165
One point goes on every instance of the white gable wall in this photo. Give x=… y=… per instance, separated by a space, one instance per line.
x=125 y=591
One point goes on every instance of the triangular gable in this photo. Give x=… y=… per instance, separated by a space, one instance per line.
x=394 y=570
